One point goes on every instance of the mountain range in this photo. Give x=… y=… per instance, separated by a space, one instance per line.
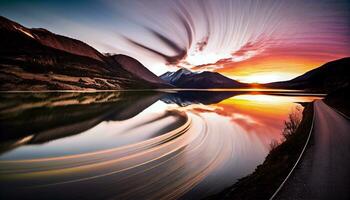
x=184 y=78
x=36 y=59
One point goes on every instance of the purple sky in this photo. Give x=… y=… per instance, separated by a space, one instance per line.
x=253 y=41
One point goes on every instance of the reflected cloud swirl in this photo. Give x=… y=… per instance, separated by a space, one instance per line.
x=101 y=145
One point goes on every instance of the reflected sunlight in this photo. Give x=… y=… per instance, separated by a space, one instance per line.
x=183 y=141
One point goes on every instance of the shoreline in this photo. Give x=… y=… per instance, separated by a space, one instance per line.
x=267 y=177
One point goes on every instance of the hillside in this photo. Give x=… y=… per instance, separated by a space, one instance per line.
x=36 y=59
x=326 y=78
x=136 y=68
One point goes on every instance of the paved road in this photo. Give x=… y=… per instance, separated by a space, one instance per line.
x=324 y=171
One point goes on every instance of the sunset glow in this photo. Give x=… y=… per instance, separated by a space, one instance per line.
x=263 y=69
x=174 y=99
x=251 y=41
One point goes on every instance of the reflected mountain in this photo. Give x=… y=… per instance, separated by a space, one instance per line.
x=133 y=145
x=40 y=117
x=185 y=98
x=206 y=97
x=36 y=118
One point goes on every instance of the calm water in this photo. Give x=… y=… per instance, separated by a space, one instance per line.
x=136 y=145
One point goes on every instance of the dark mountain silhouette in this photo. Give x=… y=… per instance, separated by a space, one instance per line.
x=184 y=78
x=326 y=78
x=136 y=68
x=36 y=59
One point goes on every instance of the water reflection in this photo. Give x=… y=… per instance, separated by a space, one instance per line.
x=131 y=145
x=41 y=117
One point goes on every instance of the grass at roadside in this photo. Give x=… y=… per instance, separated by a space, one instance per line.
x=267 y=177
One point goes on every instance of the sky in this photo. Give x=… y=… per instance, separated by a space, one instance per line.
x=247 y=40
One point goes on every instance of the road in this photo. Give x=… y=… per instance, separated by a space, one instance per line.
x=324 y=171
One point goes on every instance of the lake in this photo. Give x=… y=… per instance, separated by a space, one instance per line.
x=169 y=144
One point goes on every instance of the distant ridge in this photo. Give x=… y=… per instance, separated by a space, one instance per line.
x=326 y=78
x=184 y=78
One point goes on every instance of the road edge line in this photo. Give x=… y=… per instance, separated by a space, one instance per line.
x=299 y=158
